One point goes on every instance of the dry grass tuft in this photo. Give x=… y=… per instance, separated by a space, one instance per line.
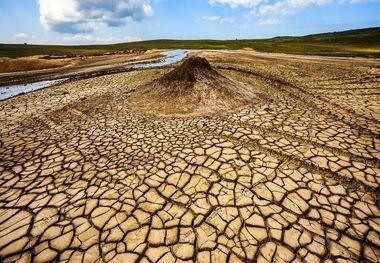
x=28 y=63
x=247 y=49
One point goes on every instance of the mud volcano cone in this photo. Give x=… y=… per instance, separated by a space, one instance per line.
x=194 y=88
x=188 y=71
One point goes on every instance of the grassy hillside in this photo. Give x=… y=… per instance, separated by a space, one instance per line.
x=361 y=42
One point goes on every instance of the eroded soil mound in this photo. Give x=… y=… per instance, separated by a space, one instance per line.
x=194 y=88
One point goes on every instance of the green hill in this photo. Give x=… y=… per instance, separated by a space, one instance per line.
x=360 y=42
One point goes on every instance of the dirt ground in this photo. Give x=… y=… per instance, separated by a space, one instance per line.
x=290 y=177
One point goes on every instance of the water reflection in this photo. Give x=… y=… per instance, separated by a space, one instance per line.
x=11 y=91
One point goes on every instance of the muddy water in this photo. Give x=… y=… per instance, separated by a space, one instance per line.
x=170 y=57
x=11 y=91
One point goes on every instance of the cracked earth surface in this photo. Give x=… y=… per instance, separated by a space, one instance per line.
x=292 y=178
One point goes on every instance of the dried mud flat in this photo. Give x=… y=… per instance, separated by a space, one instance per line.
x=291 y=176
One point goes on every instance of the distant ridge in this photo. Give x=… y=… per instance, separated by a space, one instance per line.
x=357 y=42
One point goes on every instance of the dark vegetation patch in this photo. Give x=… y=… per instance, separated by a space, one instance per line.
x=360 y=42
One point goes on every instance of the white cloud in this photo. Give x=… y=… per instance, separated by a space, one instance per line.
x=286 y=7
x=237 y=3
x=269 y=21
x=81 y=16
x=263 y=8
x=245 y=26
x=221 y=20
x=23 y=37
x=267 y=8
x=91 y=39
x=210 y=18
x=20 y=35
x=227 y=20
x=271 y=12
x=361 y=1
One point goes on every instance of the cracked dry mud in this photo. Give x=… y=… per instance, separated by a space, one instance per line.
x=293 y=176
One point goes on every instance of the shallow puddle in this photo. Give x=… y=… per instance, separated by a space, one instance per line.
x=14 y=90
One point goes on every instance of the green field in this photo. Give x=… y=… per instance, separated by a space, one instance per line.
x=360 y=42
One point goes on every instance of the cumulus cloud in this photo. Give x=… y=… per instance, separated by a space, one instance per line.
x=83 y=16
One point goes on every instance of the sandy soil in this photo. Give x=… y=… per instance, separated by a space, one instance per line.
x=293 y=177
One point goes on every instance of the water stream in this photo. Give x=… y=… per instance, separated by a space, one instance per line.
x=170 y=57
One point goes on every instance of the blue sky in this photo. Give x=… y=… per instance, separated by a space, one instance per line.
x=111 y=21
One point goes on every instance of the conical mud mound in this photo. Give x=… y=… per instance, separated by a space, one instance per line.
x=194 y=88
x=187 y=73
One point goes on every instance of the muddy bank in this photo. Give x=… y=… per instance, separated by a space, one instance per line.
x=26 y=82
x=80 y=68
